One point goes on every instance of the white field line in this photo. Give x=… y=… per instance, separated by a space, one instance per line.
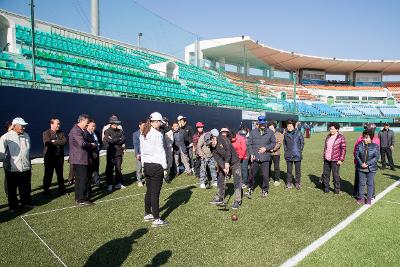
x=393 y=202
x=71 y=207
x=100 y=201
x=335 y=230
x=44 y=243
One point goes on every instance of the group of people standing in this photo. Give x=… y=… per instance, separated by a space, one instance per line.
x=85 y=143
x=162 y=149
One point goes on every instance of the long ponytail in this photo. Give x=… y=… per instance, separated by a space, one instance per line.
x=146 y=128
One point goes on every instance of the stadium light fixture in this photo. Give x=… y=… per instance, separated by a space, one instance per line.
x=139 y=39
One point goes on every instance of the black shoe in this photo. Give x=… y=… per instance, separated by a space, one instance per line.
x=326 y=191
x=47 y=193
x=337 y=191
x=298 y=186
x=392 y=169
x=28 y=205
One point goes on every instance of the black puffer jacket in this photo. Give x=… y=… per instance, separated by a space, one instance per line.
x=293 y=143
x=224 y=152
x=258 y=139
x=180 y=139
x=113 y=141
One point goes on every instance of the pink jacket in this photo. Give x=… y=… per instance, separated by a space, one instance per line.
x=338 y=148
x=239 y=143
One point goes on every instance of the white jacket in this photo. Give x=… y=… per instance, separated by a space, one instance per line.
x=152 y=148
x=14 y=151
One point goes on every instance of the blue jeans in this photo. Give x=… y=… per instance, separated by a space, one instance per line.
x=366 y=178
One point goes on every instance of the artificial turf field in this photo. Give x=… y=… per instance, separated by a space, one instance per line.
x=268 y=232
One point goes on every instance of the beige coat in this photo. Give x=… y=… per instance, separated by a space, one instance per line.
x=279 y=142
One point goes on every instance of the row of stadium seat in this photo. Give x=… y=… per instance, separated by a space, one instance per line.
x=66 y=57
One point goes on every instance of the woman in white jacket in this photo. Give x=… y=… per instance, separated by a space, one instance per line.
x=154 y=167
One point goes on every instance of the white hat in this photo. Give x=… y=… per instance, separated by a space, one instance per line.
x=19 y=121
x=214 y=132
x=180 y=117
x=156 y=116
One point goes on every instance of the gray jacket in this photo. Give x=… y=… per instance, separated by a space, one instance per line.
x=203 y=148
x=14 y=151
x=386 y=138
x=257 y=140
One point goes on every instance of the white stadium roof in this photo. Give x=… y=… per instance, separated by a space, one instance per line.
x=259 y=55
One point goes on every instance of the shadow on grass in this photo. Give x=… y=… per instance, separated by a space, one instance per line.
x=345 y=186
x=115 y=252
x=38 y=199
x=160 y=259
x=175 y=200
x=316 y=180
x=392 y=176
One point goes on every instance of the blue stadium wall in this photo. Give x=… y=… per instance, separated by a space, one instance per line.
x=38 y=106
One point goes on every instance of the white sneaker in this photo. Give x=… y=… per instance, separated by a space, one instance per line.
x=202 y=186
x=215 y=184
x=148 y=218
x=159 y=223
x=139 y=184
x=110 y=188
x=119 y=186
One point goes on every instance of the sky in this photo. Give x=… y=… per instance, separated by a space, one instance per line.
x=354 y=29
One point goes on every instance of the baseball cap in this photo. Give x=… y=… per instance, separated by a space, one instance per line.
x=224 y=130
x=214 y=132
x=262 y=120
x=199 y=124
x=156 y=116
x=180 y=117
x=19 y=121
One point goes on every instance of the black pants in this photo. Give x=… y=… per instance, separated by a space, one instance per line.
x=114 y=162
x=255 y=167
x=22 y=182
x=277 y=171
x=335 y=168
x=297 y=168
x=386 y=151
x=51 y=164
x=94 y=164
x=71 y=175
x=196 y=166
x=82 y=182
x=154 y=175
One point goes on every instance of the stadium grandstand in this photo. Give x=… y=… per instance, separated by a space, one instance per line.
x=263 y=79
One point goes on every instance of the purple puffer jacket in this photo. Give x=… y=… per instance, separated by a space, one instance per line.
x=338 y=148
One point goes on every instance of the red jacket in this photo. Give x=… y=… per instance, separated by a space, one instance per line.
x=338 y=148
x=239 y=143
